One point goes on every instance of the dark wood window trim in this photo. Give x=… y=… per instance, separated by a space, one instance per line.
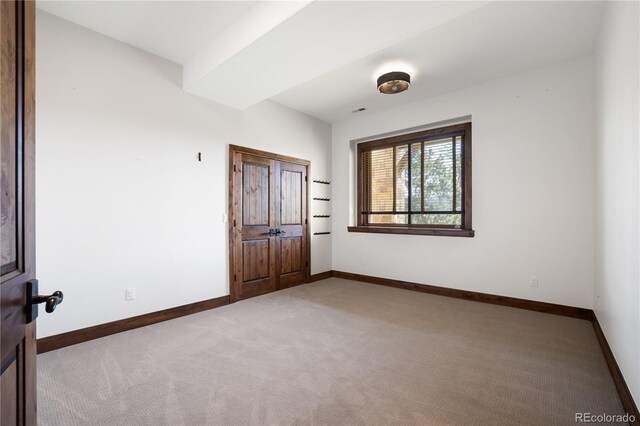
x=443 y=232
x=462 y=206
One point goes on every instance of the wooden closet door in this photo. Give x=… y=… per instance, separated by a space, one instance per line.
x=255 y=249
x=291 y=211
x=268 y=239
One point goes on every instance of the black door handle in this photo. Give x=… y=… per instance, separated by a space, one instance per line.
x=51 y=301
x=279 y=232
x=33 y=299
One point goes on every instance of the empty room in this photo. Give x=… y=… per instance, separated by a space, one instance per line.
x=320 y=212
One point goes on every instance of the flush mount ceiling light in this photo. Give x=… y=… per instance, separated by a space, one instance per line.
x=393 y=82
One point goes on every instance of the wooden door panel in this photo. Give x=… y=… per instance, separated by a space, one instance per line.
x=8 y=390
x=291 y=197
x=255 y=194
x=13 y=296
x=292 y=205
x=290 y=255
x=254 y=248
x=8 y=204
x=17 y=260
x=255 y=260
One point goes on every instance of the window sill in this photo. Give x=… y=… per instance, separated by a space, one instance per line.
x=443 y=232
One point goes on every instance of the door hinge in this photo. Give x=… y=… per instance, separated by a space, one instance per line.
x=234 y=222
x=234 y=167
x=305 y=221
x=305 y=178
x=234 y=277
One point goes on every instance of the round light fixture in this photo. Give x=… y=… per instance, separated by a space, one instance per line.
x=393 y=82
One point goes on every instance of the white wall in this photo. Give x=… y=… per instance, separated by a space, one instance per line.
x=121 y=199
x=533 y=196
x=617 y=282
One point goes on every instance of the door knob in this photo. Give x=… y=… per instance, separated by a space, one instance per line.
x=33 y=299
x=51 y=301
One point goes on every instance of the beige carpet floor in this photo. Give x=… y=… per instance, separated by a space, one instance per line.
x=335 y=352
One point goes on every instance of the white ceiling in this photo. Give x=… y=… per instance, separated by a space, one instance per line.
x=317 y=39
x=497 y=40
x=322 y=57
x=175 y=30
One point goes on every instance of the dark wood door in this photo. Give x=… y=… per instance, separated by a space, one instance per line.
x=291 y=206
x=18 y=339
x=255 y=271
x=268 y=216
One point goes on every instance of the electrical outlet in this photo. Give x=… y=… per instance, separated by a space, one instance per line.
x=533 y=281
x=129 y=294
x=225 y=218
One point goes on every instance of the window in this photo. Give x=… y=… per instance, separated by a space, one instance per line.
x=419 y=183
